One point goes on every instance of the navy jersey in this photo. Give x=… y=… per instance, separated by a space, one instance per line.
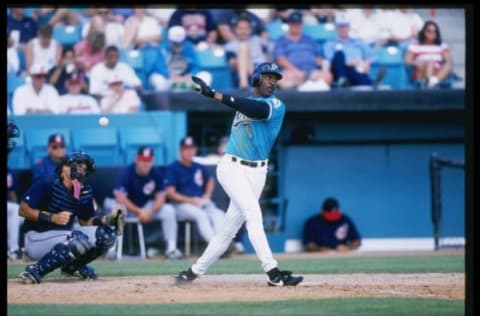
x=253 y=139
x=139 y=189
x=329 y=234
x=188 y=181
x=45 y=168
x=52 y=196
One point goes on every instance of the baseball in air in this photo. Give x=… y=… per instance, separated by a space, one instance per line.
x=103 y=121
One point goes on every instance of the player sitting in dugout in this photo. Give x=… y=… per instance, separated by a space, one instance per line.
x=330 y=230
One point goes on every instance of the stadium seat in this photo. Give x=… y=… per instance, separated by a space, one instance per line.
x=391 y=59
x=215 y=62
x=276 y=29
x=133 y=138
x=13 y=82
x=67 y=35
x=101 y=143
x=134 y=58
x=320 y=32
x=36 y=142
x=17 y=158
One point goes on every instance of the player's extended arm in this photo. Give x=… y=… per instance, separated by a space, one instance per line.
x=45 y=216
x=251 y=108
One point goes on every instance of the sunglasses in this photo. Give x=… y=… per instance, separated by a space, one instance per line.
x=55 y=147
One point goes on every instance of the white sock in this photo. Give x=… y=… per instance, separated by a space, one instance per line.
x=171 y=245
x=432 y=81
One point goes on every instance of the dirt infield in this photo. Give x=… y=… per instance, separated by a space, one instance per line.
x=218 y=288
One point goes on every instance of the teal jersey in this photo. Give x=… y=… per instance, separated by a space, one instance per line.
x=252 y=139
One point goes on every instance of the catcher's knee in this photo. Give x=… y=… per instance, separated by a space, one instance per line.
x=78 y=244
x=105 y=236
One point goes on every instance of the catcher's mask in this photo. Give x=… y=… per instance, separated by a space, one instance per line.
x=265 y=68
x=74 y=160
x=12 y=132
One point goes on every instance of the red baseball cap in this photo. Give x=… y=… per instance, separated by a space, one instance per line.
x=145 y=153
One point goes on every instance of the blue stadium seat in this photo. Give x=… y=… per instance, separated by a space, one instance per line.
x=133 y=138
x=36 y=142
x=391 y=59
x=276 y=29
x=134 y=58
x=101 y=143
x=215 y=62
x=320 y=32
x=67 y=35
x=13 y=82
x=17 y=158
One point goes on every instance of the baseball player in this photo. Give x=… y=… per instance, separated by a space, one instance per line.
x=242 y=172
x=50 y=208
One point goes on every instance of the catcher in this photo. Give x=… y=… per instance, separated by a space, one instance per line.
x=50 y=208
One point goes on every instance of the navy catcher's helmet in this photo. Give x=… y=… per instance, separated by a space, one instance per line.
x=265 y=68
x=12 y=132
x=74 y=159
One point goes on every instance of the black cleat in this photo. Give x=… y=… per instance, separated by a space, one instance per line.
x=282 y=278
x=185 y=277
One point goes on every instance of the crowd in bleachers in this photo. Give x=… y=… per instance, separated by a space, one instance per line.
x=101 y=59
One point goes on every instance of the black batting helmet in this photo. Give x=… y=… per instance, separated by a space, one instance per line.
x=265 y=68
x=12 y=132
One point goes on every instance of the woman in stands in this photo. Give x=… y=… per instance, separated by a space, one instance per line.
x=429 y=56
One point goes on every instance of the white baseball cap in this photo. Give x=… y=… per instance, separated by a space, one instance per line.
x=177 y=34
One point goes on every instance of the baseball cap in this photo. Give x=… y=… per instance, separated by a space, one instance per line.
x=56 y=139
x=295 y=17
x=341 y=20
x=145 y=153
x=38 y=69
x=75 y=77
x=188 y=141
x=176 y=34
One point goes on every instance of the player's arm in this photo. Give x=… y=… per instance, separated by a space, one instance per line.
x=37 y=215
x=178 y=197
x=251 y=108
x=121 y=198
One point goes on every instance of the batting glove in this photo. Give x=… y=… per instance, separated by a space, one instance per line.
x=203 y=88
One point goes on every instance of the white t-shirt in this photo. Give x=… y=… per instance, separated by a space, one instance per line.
x=148 y=27
x=25 y=98
x=45 y=56
x=13 y=61
x=100 y=74
x=128 y=100
x=79 y=104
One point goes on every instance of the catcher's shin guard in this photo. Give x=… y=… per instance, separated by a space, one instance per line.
x=106 y=237
x=75 y=246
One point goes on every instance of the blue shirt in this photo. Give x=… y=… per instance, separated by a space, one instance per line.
x=45 y=168
x=329 y=234
x=352 y=48
x=189 y=181
x=139 y=189
x=253 y=139
x=52 y=196
x=27 y=27
x=302 y=53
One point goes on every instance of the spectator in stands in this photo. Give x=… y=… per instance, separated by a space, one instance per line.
x=13 y=60
x=429 y=57
x=198 y=23
x=403 y=27
x=22 y=28
x=90 y=51
x=190 y=187
x=140 y=188
x=323 y=14
x=141 y=30
x=369 y=25
x=74 y=102
x=103 y=20
x=45 y=167
x=120 y=15
x=162 y=14
x=55 y=16
x=43 y=49
x=244 y=51
x=227 y=21
x=58 y=75
x=300 y=59
x=37 y=96
x=350 y=58
x=14 y=221
x=331 y=230
x=176 y=61
x=102 y=72
x=122 y=100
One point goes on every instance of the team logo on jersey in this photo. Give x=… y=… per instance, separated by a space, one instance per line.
x=342 y=231
x=241 y=119
x=276 y=102
x=198 y=178
x=149 y=187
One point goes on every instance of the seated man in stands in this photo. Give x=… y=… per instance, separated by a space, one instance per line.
x=140 y=188
x=45 y=168
x=330 y=230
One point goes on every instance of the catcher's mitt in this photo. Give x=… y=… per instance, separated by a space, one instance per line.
x=116 y=218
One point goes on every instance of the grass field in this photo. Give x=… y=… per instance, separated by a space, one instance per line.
x=372 y=306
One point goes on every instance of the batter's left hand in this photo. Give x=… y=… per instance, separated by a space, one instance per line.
x=203 y=88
